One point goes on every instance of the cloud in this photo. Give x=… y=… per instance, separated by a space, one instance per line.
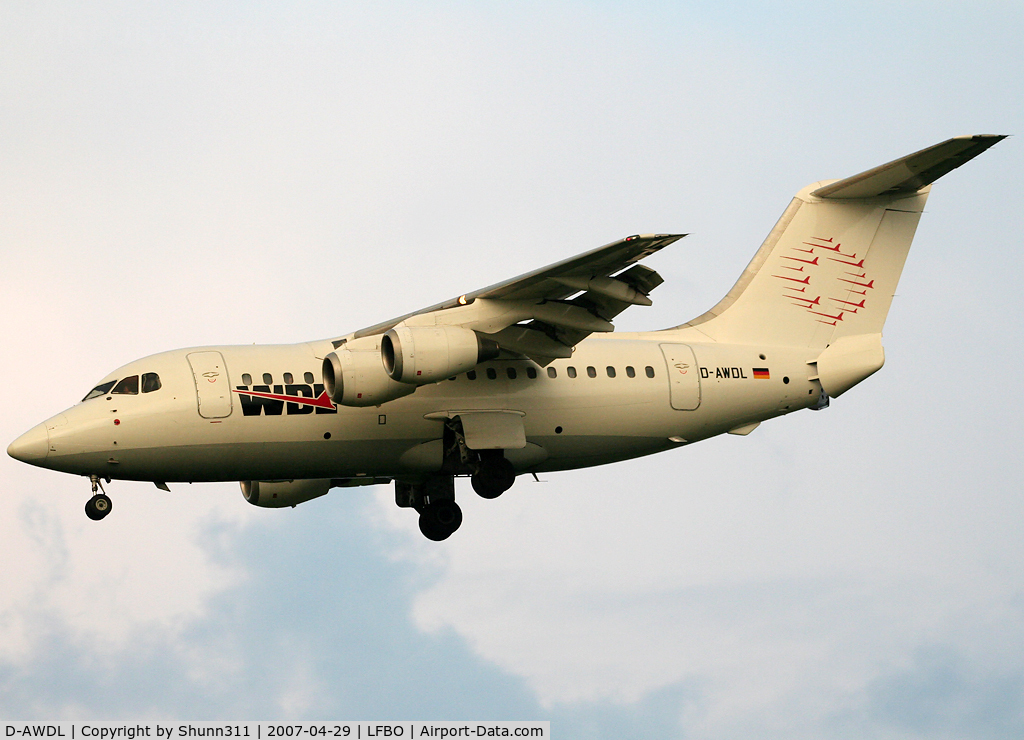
x=941 y=692
x=108 y=587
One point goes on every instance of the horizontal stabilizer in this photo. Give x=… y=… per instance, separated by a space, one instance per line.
x=909 y=174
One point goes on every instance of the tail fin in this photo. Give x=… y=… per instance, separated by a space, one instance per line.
x=829 y=268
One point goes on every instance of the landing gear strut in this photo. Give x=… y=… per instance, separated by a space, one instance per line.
x=100 y=504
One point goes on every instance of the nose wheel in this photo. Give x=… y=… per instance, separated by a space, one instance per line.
x=100 y=504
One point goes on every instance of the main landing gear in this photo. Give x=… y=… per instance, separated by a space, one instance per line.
x=494 y=474
x=100 y=504
x=434 y=498
x=491 y=472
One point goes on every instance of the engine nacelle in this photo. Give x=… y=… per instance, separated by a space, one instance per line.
x=427 y=354
x=357 y=378
x=277 y=494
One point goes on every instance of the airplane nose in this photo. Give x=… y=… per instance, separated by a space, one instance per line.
x=32 y=446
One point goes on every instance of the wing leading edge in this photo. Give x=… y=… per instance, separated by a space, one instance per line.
x=545 y=313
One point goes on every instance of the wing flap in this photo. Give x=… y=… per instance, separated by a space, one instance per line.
x=532 y=342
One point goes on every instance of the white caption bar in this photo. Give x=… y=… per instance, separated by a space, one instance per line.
x=272 y=730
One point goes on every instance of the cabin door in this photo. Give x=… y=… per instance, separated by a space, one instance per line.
x=213 y=391
x=683 y=376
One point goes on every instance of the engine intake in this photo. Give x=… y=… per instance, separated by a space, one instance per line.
x=426 y=354
x=357 y=378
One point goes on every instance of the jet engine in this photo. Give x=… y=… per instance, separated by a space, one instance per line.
x=277 y=494
x=426 y=354
x=357 y=378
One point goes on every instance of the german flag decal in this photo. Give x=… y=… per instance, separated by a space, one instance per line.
x=761 y=373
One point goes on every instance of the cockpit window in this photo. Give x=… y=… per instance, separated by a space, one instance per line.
x=99 y=390
x=127 y=386
x=150 y=382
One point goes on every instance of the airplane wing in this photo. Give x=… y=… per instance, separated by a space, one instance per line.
x=545 y=313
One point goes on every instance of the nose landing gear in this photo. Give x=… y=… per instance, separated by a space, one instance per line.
x=100 y=504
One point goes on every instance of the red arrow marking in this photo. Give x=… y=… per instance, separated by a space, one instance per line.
x=820 y=239
x=810 y=303
x=322 y=401
x=844 y=262
x=798 y=290
x=805 y=281
x=855 y=305
x=861 y=275
x=823 y=246
x=829 y=316
x=797 y=259
x=863 y=285
x=790 y=267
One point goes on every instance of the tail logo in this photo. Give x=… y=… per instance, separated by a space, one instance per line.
x=810 y=280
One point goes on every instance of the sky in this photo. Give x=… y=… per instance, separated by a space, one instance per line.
x=175 y=175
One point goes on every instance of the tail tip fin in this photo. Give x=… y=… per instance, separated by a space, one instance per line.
x=909 y=174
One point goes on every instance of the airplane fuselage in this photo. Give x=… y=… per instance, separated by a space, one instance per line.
x=619 y=396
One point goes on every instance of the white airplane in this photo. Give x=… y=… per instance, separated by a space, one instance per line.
x=508 y=380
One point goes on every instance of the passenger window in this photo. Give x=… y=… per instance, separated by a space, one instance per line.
x=611 y=371
x=289 y=378
x=101 y=390
x=150 y=382
x=511 y=373
x=650 y=371
x=591 y=371
x=246 y=379
x=471 y=375
x=127 y=387
x=630 y=372
x=531 y=372
x=570 y=371
x=492 y=373
x=308 y=377
x=268 y=378
x=552 y=373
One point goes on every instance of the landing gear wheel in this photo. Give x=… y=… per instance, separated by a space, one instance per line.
x=494 y=478
x=98 y=506
x=440 y=519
